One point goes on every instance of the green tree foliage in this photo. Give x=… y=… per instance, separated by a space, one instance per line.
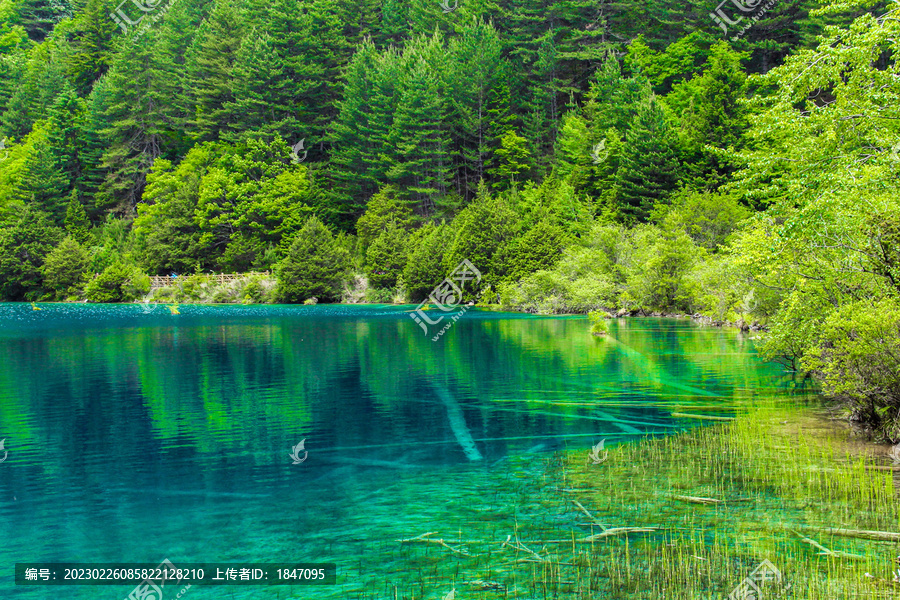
x=77 y=224
x=315 y=266
x=135 y=94
x=24 y=244
x=92 y=45
x=650 y=165
x=479 y=232
x=573 y=149
x=64 y=269
x=43 y=184
x=210 y=63
x=709 y=219
x=383 y=210
x=386 y=257
x=858 y=357
x=510 y=160
x=39 y=77
x=118 y=282
x=659 y=274
x=613 y=99
x=536 y=249
x=39 y=16
x=228 y=206
x=425 y=263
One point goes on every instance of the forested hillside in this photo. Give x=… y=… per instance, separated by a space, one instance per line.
x=736 y=161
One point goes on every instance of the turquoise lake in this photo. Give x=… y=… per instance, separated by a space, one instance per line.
x=137 y=435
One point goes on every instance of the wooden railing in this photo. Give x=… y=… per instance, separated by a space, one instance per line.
x=158 y=281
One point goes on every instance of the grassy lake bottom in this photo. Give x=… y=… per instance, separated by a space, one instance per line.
x=468 y=467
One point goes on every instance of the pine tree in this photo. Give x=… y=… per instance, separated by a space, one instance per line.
x=39 y=16
x=613 y=99
x=476 y=57
x=209 y=64
x=136 y=95
x=360 y=132
x=44 y=186
x=385 y=208
x=425 y=263
x=64 y=268
x=315 y=266
x=258 y=78
x=479 y=231
x=23 y=247
x=421 y=165
x=573 y=149
x=533 y=250
x=386 y=257
x=36 y=91
x=63 y=136
x=650 y=168
x=308 y=40
x=92 y=45
x=77 y=224
x=91 y=148
x=510 y=160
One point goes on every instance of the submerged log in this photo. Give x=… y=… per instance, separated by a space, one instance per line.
x=458 y=423
x=881 y=536
x=706 y=417
x=696 y=499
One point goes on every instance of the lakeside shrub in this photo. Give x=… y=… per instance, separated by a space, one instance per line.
x=599 y=325
x=658 y=276
x=117 y=283
x=857 y=358
x=64 y=269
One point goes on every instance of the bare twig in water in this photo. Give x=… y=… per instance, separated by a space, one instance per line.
x=823 y=551
x=696 y=499
x=589 y=515
x=616 y=531
x=522 y=548
x=704 y=417
x=881 y=536
x=425 y=539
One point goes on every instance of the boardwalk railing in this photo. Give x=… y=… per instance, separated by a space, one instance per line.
x=158 y=281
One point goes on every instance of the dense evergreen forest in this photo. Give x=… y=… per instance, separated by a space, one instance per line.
x=738 y=161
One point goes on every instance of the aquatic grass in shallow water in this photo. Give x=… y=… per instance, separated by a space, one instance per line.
x=681 y=517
